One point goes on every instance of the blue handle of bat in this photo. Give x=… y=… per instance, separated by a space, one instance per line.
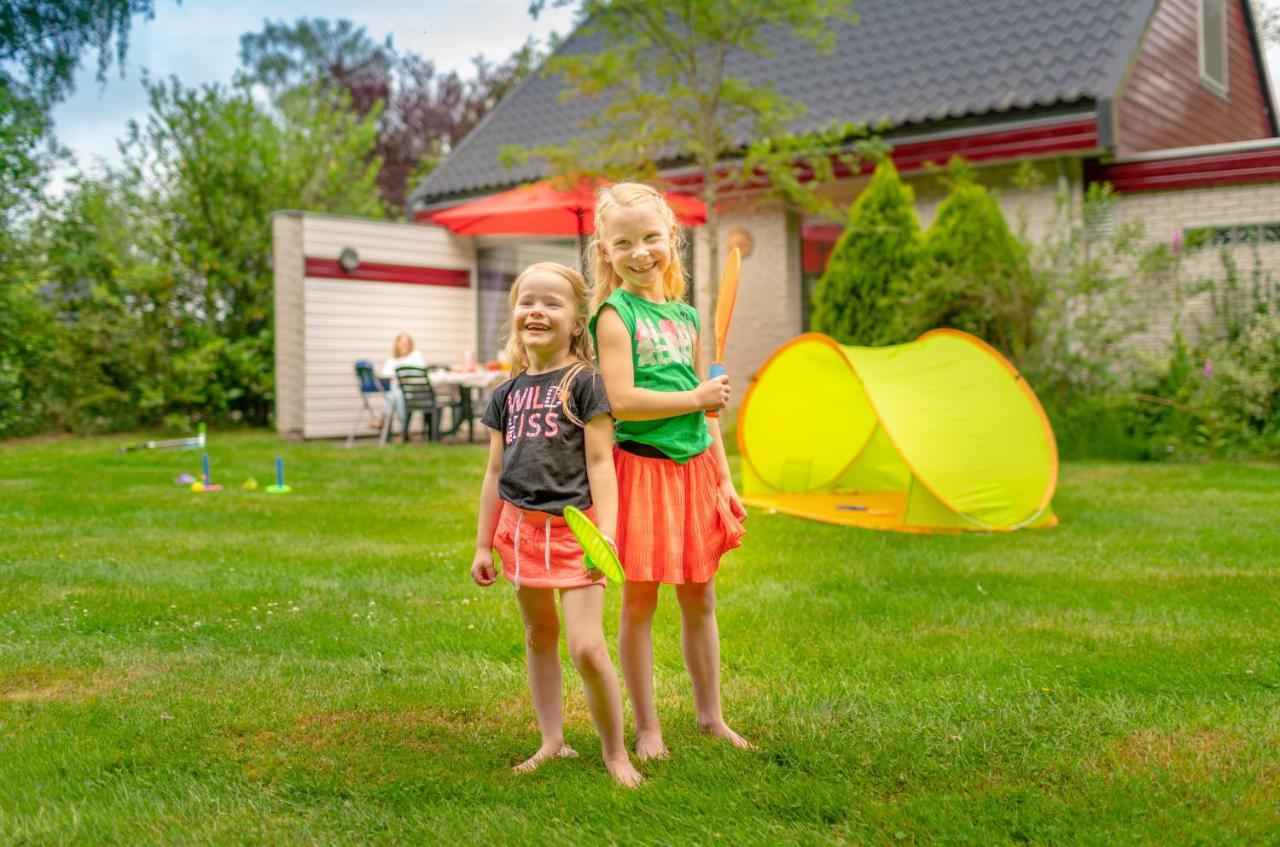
x=717 y=369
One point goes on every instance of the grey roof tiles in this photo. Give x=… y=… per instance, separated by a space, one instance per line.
x=907 y=62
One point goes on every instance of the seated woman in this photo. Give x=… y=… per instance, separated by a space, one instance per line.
x=403 y=355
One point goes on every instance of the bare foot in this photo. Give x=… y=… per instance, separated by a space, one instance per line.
x=623 y=772
x=649 y=745
x=720 y=729
x=545 y=753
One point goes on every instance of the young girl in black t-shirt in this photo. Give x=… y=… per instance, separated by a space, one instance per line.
x=551 y=446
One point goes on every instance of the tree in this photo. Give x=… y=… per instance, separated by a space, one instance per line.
x=666 y=94
x=422 y=113
x=41 y=43
x=878 y=250
x=212 y=147
x=127 y=322
x=45 y=39
x=33 y=368
x=1266 y=16
x=162 y=271
x=976 y=274
x=40 y=47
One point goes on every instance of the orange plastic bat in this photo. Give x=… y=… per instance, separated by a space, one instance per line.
x=724 y=311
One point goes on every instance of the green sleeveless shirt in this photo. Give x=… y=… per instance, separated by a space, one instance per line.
x=663 y=339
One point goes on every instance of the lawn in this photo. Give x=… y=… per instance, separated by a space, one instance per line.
x=237 y=668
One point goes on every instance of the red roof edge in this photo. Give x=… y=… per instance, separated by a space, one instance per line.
x=1075 y=134
x=1235 y=164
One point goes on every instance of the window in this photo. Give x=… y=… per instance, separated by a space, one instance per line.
x=1231 y=236
x=1213 y=46
x=1099 y=222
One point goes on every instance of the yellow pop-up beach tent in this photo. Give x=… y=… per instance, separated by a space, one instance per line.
x=938 y=435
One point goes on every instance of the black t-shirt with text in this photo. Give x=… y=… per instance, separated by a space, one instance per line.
x=544 y=459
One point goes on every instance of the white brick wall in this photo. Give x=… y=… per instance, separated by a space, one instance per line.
x=1166 y=213
x=768 y=309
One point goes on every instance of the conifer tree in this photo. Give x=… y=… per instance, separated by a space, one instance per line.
x=874 y=258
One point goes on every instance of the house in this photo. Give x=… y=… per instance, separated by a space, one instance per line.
x=1166 y=99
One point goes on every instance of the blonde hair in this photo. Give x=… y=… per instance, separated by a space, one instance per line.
x=580 y=352
x=395 y=345
x=612 y=197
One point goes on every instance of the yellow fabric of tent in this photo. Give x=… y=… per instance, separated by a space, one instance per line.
x=938 y=435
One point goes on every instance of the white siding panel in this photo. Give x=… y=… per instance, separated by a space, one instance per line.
x=339 y=321
x=289 y=328
x=351 y=320
x=390 y=243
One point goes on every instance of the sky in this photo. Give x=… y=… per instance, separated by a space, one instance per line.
x=199 y=42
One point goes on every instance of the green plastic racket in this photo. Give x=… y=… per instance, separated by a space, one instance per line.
x=595 y=546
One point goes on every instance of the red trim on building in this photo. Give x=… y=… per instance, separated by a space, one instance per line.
x=1240 y=167
x=381 y=272
x=1076 y=135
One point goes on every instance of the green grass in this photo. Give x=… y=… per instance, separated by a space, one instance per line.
x=319 y=669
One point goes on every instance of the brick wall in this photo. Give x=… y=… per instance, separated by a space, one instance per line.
x=768 y=308
x=1166 y=215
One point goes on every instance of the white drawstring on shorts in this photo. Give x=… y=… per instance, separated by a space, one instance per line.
x=546 y=548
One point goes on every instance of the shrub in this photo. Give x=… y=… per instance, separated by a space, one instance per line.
x=878 y=249
x=32 y=367
x=1219 y=397
x=1213 y=391
x=975 y=275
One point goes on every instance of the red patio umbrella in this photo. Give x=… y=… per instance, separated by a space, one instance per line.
x=542 y=209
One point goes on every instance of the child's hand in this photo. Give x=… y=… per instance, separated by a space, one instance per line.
x=712 y=394
x=735 y=502
x=482 y=569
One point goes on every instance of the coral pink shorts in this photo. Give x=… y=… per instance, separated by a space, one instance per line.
x=674 y=523
x=538 y=550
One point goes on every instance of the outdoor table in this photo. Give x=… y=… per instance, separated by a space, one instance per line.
x=467 y=382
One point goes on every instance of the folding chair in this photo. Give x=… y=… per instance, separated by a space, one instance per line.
x=369 y=385
x=420 y=396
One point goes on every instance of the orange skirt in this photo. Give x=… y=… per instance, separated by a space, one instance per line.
x=538 y=550
x=674 y=524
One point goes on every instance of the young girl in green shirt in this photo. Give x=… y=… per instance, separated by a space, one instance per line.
x=678 y=511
